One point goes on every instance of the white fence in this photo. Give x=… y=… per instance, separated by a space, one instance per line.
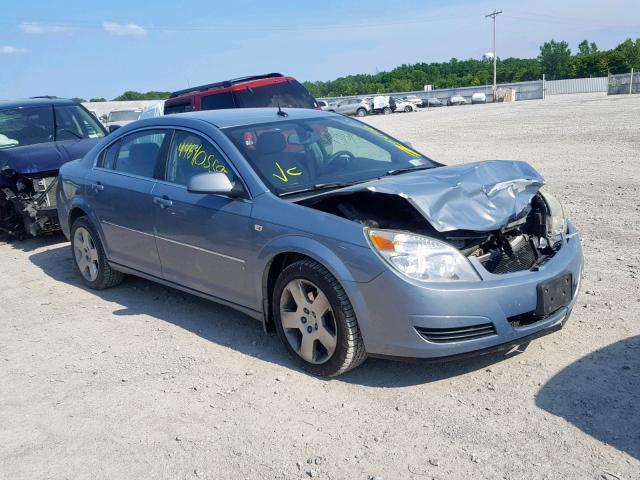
x=576 y=85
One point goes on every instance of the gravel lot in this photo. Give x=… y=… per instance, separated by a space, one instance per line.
x=145 y=382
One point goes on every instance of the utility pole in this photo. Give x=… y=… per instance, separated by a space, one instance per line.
x=493 y=16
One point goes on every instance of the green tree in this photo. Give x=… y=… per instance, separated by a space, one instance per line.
x=555 y=58
x=151 y=95
x=100 y=99
x=78 y=99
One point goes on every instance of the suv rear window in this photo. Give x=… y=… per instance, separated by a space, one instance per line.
x=177 y=107
x=289 y=94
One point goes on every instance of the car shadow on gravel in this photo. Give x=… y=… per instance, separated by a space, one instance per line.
x=600 y=395
x=31 y=244
x=225 y=326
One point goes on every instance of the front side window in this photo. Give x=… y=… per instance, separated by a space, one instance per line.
x=26 y=126
x=137 y=154
x=189 y=155
x=74 y=122
x=305 y=154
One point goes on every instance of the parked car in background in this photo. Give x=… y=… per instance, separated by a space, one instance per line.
x=120 y=118
x=417 y=101
x=153 y=111
x=323 y=104
x=478 y=97
x=269 y=90
x=455 y=100
x=432 y=102
x=405 y=106
x=344 y=240
x=384 y=104
x=37 y=136
x=351 y=106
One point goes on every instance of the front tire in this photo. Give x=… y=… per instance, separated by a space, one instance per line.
x=315 y=320
x=387 y=111
x=89 y=257
x=408 y=109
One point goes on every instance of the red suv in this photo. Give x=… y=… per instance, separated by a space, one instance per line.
x=270 y=90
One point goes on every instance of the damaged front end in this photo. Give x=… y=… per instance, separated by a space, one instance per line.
x=27 y=203
x=493 y=213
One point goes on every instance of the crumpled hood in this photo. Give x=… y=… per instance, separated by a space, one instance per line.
x=479 y=196
x=44 y=157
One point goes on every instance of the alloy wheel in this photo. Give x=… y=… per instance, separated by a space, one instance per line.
x=308 y=321
x=86 y=254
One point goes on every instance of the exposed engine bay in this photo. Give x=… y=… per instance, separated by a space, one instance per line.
x=524 y=243
x=27 y=204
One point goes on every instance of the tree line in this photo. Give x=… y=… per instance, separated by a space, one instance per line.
x=555 y=60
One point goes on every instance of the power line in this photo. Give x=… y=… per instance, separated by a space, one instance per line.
x=493 y=17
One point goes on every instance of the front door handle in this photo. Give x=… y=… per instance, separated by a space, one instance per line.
x=163 y=202
x=97 y=187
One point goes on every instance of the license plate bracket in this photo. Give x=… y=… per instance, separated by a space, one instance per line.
x=554 y=294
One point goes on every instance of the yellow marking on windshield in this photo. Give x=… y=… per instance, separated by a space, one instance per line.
x=283 y=175
x=398 y=145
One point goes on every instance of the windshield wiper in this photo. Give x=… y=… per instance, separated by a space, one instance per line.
x=318 y=187
x=397 y=171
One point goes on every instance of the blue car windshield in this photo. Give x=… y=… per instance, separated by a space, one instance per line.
x=314 y=153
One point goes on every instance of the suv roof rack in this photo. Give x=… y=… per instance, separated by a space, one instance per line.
x=44 y=96
x=224 y=84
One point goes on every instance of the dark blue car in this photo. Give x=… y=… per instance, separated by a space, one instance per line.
x=37 y=136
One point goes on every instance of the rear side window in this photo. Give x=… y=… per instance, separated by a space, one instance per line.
x=290 y=94
x=26 y=126
x=218 y=101
x=177 y=107
x=137 y=154
x=189 y=155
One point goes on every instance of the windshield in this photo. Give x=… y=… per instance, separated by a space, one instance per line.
x=20 y=127
x=289 y=94
x=124 y=116
x=312 y=153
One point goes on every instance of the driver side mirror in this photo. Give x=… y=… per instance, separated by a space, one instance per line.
x=215 y=184
x=113 y=128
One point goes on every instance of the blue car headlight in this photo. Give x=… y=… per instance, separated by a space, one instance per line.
x=556 y=218
x=421 y=258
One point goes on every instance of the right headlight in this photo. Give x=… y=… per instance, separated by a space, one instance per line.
x=421 y=258
x=556 y=219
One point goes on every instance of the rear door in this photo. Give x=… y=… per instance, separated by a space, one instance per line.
x=121 y=192
x=202 y=240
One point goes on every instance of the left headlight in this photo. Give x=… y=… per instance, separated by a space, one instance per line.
x=421 y=258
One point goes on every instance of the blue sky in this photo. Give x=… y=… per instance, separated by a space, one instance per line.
x=100 y=49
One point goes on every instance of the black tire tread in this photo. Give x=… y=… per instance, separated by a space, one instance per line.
x=107 y=277
x=356 y=353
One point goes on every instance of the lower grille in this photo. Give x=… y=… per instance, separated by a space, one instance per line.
x=457 y=334
x=523 y=258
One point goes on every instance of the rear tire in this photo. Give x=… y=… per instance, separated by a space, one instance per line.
x=387 y=111
x=408 y=109
x=89 y=257
x=361 y=112
x=311 y=309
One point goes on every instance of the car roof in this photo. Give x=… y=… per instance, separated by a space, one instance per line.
x=234 y=117
x=34 y=102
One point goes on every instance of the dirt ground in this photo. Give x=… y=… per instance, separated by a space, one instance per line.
x=145 y=382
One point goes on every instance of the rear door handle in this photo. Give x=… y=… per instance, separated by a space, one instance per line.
x=163 y=202
x=97 y=187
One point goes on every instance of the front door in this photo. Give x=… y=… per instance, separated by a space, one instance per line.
x=121 y=187
x=202 y=239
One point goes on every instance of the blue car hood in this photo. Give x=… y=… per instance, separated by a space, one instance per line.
x=44 y=157
x=479 y=196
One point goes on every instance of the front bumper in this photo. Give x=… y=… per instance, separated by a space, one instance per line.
x=402 y=318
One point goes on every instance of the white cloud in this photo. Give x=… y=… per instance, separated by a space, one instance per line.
x=124 y=30
x=8 y=50
x=37 y=28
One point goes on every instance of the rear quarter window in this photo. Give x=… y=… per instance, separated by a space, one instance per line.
x=218 y=101
x=177 y=107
